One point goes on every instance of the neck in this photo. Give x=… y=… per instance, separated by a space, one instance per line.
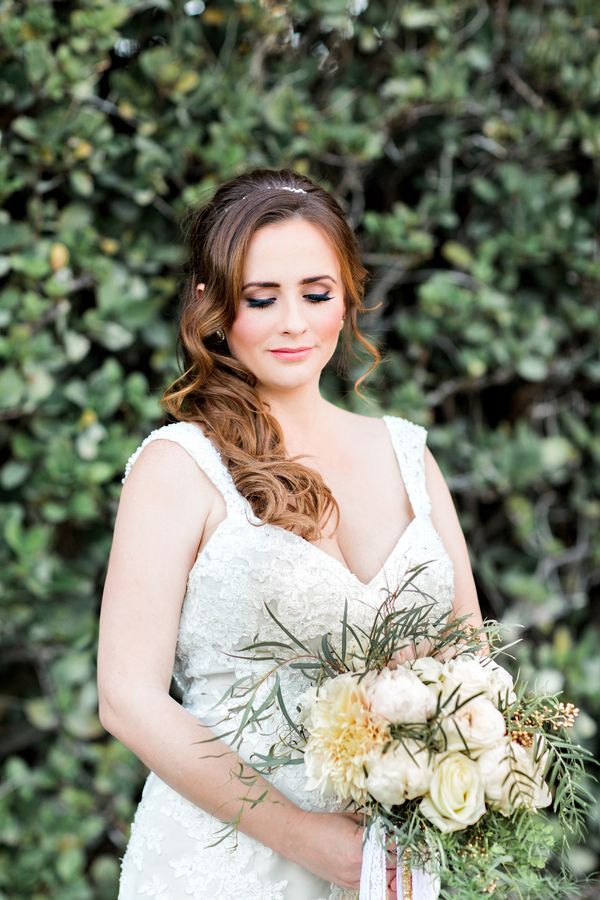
x=302 y=413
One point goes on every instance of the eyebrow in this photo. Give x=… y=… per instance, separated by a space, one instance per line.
x=268 y=284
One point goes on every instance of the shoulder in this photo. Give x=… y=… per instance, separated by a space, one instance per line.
x=174 y=441
x=375 y=423
x=406 y=435
x=413 y=437
x=409 y=430
x=177 y=467
x=362 y=433
x=165 y=492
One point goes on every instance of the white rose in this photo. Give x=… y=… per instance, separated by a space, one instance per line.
x=456 y=798
x=355 y=655
x=511 y=778
x=463 y=677
x=354 y=658
x=306 y=702
x=469 y=675
x=401 y=697
x=477 y=723
x=428 y=669
x=500 y=686
x=401 y=773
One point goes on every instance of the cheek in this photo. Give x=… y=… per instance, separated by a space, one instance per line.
x=329 y=322
x=247 y=330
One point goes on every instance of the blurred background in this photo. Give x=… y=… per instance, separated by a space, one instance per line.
x=463 y=141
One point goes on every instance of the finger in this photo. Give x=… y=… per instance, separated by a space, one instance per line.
x=426 y=647
x=358 y=820
x=392 y=893
x=397 y=659
x=354 y=814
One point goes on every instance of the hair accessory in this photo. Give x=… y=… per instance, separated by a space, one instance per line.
x=220 y=334
x=278 y=187
x=271 y=187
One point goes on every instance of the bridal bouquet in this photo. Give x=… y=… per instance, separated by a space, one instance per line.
x=415 y=725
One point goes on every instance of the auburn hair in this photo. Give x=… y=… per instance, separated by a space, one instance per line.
x=215 y=390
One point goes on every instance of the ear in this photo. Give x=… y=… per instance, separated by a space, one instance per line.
x=199 y=289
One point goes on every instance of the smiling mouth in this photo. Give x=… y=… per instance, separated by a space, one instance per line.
x=291 y=354
x=290 y=349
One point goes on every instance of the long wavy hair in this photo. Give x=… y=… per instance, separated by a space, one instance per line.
x=215 y=390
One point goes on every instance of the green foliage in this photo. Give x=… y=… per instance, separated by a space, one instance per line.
x=464 y=140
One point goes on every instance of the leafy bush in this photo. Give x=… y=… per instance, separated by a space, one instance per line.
x=464 y=140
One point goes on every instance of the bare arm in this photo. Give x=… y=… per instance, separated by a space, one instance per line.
x=447 y=524
x=166 y=508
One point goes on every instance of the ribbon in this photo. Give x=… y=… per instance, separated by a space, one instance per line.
x=411 y=883
x=373 y=881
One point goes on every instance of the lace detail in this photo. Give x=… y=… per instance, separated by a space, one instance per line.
x=409 y=441
x=245 y=567
x=205 y=454
x=373 y=881
x=184 y=865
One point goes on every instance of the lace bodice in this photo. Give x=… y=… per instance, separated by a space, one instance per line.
x=248 y=565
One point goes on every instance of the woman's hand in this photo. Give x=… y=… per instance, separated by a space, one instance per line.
x=391 y=874
x=331 y=846
x=418 y=649
x=411 y=651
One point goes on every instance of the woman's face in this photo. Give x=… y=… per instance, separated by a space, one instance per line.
x=297 y=305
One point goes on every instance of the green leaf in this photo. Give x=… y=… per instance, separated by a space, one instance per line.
x=12 y=388
x=41 y=714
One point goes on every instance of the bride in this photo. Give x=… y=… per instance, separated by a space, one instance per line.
x=259 y=491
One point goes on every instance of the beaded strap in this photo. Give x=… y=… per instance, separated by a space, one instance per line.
x=409 y=440
x=203 y=452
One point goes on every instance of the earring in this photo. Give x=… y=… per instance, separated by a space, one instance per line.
x=342 y=324
x=220 y=334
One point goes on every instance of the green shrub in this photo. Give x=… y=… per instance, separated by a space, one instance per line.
x=464 y=141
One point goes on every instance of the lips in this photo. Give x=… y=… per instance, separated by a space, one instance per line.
x=291 y=353
x=289 y=349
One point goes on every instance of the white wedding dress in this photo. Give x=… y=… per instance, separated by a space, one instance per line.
x=242 y=568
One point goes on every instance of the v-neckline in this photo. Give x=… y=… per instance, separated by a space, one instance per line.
x=309 y=545
x=365 y=585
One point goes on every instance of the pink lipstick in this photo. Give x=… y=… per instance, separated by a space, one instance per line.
x=291 y=353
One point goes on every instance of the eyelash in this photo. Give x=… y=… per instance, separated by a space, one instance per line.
x=261 y=304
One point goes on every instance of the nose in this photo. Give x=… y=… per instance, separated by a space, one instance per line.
x=292 y=318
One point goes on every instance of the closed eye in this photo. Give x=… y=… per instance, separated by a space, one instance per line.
x=254 y=303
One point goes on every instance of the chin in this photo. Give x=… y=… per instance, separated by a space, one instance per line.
x=290 y=383
x=290 y=379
